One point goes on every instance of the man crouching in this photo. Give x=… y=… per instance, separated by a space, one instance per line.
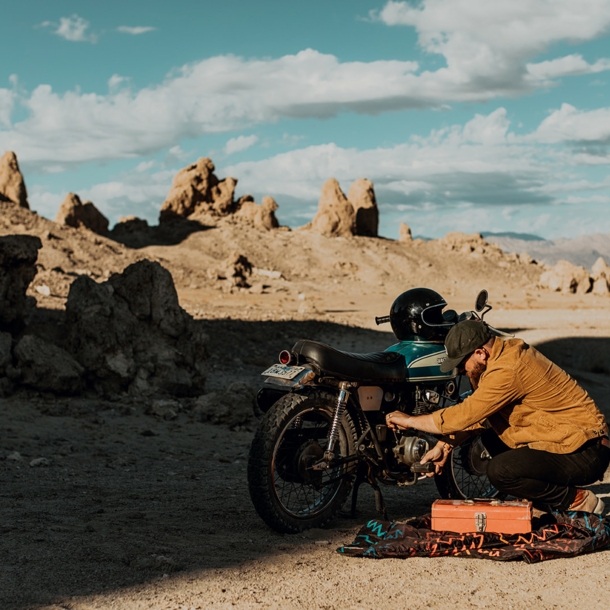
x=543 y=432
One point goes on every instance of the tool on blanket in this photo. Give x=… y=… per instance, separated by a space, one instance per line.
x=482 y=515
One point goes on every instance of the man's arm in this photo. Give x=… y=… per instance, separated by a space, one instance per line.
x=401 y=421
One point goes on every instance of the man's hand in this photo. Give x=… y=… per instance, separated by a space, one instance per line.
x=438 y=454
x=397 y=420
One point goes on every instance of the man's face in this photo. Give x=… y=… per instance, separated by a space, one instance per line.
x=473 y=366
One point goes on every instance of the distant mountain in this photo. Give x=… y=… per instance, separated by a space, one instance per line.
x=583 y=250
x=520 y=236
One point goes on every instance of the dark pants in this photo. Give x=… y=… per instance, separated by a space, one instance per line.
x=549 y=480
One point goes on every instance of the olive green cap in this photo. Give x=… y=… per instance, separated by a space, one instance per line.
x=462 y=340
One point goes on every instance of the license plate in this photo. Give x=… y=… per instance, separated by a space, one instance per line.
x=282 y=371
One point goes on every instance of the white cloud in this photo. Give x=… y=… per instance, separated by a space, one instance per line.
x=7 y=104
x=240 y=143
x=486 y=44
x=72 y=28
x=464 y=177
x=568 y=124
x=570 y=65
x=488 y=48
x=135 y=30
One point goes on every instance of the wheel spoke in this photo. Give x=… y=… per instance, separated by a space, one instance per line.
x=301 y=497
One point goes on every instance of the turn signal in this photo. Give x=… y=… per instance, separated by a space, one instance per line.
x=286 y=357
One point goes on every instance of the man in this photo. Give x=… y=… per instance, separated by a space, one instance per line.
x=543 y=432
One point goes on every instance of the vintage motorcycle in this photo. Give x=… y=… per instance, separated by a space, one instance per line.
x=324 y=432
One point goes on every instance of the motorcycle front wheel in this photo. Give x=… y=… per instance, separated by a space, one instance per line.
x=464 y=474
x=287 y=492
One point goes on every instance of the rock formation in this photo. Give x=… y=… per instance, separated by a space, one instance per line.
x=197 y=190
x=362 y=197
x=336 y=216
x=74 y=213
x=18 y=254
x=237 y=271
x=130 y=333
x=566 y=277
x=47 y=367
x=12 y=185
x=259 y=216
x=600 y=275
x=356 y=214
x=197 y=193
x=470 y=244
x=404 y=232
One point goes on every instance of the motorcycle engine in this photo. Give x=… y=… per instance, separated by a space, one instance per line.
x=410 y=449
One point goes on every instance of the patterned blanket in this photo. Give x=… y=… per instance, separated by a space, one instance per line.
x=555 y=535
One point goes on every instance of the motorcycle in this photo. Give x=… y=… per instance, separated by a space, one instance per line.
x=324 y=432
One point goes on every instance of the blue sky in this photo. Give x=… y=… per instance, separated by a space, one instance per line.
x=467 y=115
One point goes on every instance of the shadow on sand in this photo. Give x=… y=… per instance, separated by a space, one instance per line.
x=129 y=497
x=136 y=234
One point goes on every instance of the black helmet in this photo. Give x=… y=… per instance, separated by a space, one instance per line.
x=419 y=312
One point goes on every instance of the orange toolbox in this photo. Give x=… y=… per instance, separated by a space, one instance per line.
x=497 y=516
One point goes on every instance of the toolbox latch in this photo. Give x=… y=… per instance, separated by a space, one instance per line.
x=480 y=520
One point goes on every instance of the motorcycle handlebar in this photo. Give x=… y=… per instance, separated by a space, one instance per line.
x=381 y=320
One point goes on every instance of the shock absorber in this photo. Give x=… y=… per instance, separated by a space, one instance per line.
x=334 y=429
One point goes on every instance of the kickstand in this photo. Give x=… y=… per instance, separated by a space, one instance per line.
x=379 y=503
x=365 y=475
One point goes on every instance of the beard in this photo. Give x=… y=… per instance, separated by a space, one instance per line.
x=475 y=374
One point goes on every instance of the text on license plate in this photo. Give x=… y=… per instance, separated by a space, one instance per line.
x=282 y=371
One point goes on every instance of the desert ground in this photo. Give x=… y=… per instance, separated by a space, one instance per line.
x=132 y=508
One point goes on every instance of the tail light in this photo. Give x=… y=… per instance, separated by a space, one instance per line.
x=286 y=357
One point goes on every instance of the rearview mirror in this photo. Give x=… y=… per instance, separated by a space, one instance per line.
x=481 y=301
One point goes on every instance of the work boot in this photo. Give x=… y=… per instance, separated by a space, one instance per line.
x=587 y=502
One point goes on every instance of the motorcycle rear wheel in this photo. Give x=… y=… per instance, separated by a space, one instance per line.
x=462 y=479
x=286 y=492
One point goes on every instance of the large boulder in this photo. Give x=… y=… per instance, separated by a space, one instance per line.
x=566 y=277
x=259 y=216
x=600 y=274
x=197 y=190
x=18 y=254
x=130 y=334
x=12 y=184
x=336 y=215
x=74 y=213
x=362 y=197
x=46 y=367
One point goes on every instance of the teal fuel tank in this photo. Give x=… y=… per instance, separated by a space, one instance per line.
x=423 y=360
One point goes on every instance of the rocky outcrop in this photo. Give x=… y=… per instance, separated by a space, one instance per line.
x=600 y=275
x=340 y=216
x=198 y=194
x=362 y=197
x=18 y=254
x=259 y=216
x=566 y=277
x=470 y=244
x=74 y=213
x=236 y=271
x=197 y=190
x=404 y=232
x=336 y=216
x=12 y=184
x=130 y=333
x=47 y=367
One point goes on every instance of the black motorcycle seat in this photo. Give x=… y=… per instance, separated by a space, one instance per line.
x=376 y=366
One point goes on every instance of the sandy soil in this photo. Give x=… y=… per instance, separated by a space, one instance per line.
x=132 y=511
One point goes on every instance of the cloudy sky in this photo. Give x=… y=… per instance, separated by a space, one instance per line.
x=467 y=115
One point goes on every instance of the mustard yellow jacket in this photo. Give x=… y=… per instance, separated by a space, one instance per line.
x=528 y=401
